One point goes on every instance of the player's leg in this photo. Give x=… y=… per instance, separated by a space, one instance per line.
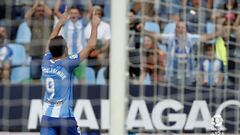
x=73 y=130
x=48 y=131
x=69 y=127
x=46 y=126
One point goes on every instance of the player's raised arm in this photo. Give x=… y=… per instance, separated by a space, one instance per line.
x=91 y=44
x=58 y=27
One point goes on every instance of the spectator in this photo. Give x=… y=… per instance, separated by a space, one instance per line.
x=180 y=63
x=39 y=19
x=84 y=7
x=135 y=27
x=211 y=68
x=153 y=61
x=97 y=58
x=225 y=48
x=227 y=11
x=5 y=57
x=134 y=45
x=73 y=33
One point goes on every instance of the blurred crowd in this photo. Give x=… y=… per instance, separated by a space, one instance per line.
x=188 y=42
x=34 y=21
x=183 y=42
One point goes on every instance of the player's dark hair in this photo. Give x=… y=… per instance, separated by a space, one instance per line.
x=57 y=46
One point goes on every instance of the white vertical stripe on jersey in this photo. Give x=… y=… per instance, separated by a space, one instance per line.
x=56 y=110
x=45 y=107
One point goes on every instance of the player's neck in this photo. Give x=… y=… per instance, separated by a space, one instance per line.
x=57 y=58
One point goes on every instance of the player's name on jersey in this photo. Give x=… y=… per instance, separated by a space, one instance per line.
x=54 y=71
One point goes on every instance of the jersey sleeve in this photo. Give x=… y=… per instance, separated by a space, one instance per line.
x=47 y=56
x=72 y=61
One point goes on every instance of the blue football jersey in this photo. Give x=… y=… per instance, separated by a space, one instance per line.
x=58 y=81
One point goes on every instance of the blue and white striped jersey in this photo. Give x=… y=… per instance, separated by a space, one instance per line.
x=58 y=79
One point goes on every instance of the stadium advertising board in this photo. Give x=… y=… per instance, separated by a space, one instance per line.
x=148 y=121
x=91 y=110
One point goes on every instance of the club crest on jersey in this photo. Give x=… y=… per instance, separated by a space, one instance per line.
x=74 y=56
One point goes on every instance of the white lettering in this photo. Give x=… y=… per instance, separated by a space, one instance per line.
x=133 y=120
x=138 y=116
x=199 y=110
x=35 y=113
x=105 y=114
x=86 y=107
x=179 y=119
x=54 y=71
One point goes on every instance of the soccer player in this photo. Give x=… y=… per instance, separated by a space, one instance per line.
x=57 y=68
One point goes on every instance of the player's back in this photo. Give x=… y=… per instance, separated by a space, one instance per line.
x=57 y=77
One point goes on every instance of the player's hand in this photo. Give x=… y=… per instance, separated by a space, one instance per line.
x=95 y=19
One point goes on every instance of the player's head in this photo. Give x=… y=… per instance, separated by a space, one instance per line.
x=58 y=47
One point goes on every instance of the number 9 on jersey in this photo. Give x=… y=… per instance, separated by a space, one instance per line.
x=50 y=86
